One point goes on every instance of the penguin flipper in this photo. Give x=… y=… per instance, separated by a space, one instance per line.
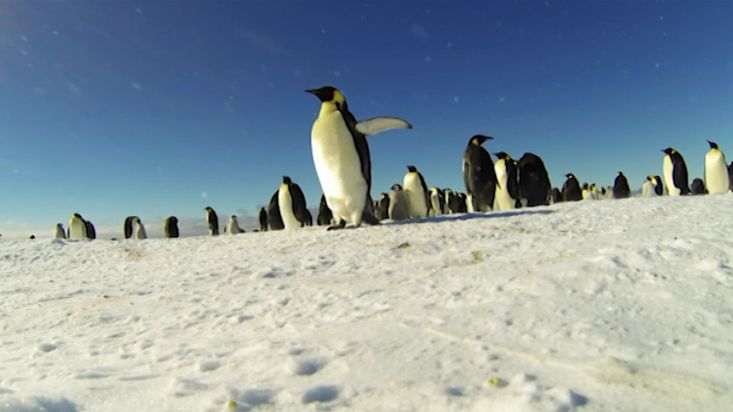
x=370 y=127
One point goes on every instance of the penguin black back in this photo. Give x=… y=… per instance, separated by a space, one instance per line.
x=659 y=188
x=263 y=219
x=91 y=232
x=273 y=213
x=621 y=188
x=170 y=227
x=556 y=195
x=479 y=176
x=571 y=189
x=730 y=176
x=212 y=219
x=128 y=227
x=534 y=182
x=324 y=213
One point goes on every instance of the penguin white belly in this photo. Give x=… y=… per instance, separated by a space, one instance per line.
x=415 y=196
x=140 y=231
x=647 y=189
x=502 y=199
x=716 y=172
x=77 y=229
x=469 y=203
x=338 y=167
x=285 y=202
x=435 y=204
x=667 y=168
x=59 y=233
x=233 y=226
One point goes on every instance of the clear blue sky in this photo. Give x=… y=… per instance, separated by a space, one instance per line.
x=156 y=108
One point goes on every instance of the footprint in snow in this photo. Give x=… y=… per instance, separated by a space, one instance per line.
x=322 y=393
x=307 y=367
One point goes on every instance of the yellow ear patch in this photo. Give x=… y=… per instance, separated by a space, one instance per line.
x=338 y=97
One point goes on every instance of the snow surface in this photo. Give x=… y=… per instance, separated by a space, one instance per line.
x=595 y=306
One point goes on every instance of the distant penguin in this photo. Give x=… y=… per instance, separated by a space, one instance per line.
x=341 y=156
x=273 y=213
x=91 y=232
x=212 y=221
x=417 y=193
x=675 y=173
x=457 y=202
x=127 y=227
x=77 y=227
x=571 y=189
x=534 y=182
x=325 y=217
x=621 y=189
x=170 y=227
x=382 y=208
x=263 y=219
x=138 y=229
x=291 y=203
x=659 y=188
x=437 y=205
x=717 y=180
x=60 y=233
x=398 y=207
x=698 y=187
x=649 y=187
x=479 y=176
x=507 y=177
x=556 y=196
x=585 y=192
x=233 y=226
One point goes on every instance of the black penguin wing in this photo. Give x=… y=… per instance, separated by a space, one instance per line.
x=273 y=213
x=679 y=175
x=128 y=227
x=213 y=219
x=360 y=142
x=425 y=190
x=512 y=184
x=299 y=208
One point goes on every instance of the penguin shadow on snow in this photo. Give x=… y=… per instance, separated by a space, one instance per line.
x=470 y=216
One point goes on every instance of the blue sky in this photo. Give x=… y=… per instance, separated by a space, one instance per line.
x=162 y=108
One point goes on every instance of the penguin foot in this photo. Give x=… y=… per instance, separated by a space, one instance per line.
x=338 y=226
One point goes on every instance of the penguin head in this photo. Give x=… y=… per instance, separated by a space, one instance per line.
x=59 y=225
x=620 y=173
x=479 y=139
x=329 y=96
x=287 y=180
x=502 y=155
x=650 y=179
x=411 y=169
x=668 y=151
x=570 y=176
x=173 y=219
x=713 y=145
x=76 y=215
x=384 y=195
x=396 y=187
x=585 y=186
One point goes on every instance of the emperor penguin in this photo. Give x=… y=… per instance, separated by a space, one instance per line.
x=437 y=204
x=60 y=233
x=479 y=176
x=697 y=187
x=138 y=229
x=534 y=182
x=325 y=217
x=382 y=208
x=127 y=227
x=291 y=203
x=212 y=220
x=571 y=189
x=621 y=189
x=233 y=226
x=77 y=227
x=398 y=204
x=263 y=219
x=717 y=180
x=341 y=156
x=507 y=190
x=675 y=173
x=91 y=232
x=418 y=198
x=170 y=227
x=556 y=196
x=650 y=187
x=457 y=202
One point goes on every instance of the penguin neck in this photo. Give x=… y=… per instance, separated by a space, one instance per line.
x=327 y=108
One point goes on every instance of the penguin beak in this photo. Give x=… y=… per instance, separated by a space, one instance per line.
x=319 y=93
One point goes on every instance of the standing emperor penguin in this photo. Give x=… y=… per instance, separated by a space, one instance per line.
x=127 y=227
x=675 y=173
x=716 y=170
x=138 y=229
x=697 y=187
x=291 y=203
x=325 y=217
x=212 y=220
x=382 y=208
x=571 y=189
x=534 y=182
x=170 y=227
x=398 y=208
x=479 y=176
x=263 y=219
x=341 y=157
x=418 y=198
x=233 y=226
x=60 y=233
x=650 y=187
x=507 y=191
x=621 y=189
x=437 y=202
x=77 y=227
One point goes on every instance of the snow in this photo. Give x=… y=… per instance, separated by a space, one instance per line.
x=594 y=306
